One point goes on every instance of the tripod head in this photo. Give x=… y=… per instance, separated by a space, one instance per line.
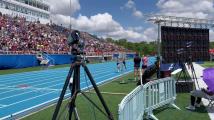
x=76 y=43
x=77 y=46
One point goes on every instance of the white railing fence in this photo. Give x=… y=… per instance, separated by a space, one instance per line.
x=131 y=107
x=51 y=60
x=159 y=93
x=144 y=99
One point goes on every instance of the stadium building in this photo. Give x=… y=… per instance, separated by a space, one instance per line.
x=32 y=10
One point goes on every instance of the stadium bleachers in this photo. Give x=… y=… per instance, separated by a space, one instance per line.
x=17 y=36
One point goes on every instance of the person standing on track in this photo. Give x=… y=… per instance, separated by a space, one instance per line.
x=144 y=63
x=137 y=61
x=124 y=62
x=118 y=64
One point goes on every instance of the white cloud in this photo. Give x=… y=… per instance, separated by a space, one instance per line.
x=137 y=29
x=150 y=34
x=131 y=5
x=138 y=14
x=187 y=8
x=98 y=23
x=103 y=24
x=63 y=6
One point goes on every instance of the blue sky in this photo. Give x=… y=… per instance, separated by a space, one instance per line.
x=117 y=10
x=125 y=18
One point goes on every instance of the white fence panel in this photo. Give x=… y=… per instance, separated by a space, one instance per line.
x=144 y=99
x=131 y=107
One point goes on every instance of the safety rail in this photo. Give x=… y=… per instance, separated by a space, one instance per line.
x=131 y=107
x=145 y=98
x=47 y=57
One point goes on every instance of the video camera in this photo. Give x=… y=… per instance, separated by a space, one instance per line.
x=77 y=44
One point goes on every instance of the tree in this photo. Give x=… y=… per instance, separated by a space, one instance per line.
x=142 y=47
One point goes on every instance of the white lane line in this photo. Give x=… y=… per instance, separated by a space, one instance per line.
x=66 y=94
x=36 y=76
x=29 y=98
x=41 y=79
x=46 y=88
x=29 y=75
x=51 y=81
x=3 y=106
x=31 y=88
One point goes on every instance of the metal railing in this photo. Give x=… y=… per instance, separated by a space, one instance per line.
x=144 y=99
x=131 y=107
x=51 y=60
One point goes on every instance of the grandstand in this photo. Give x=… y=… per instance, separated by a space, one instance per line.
x=32 y=10
x=19 y=36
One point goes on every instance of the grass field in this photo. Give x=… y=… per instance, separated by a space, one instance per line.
x=88 y=112
x=85 y=109
x=208 y=64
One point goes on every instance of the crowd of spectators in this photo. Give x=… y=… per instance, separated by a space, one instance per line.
x=17 y=36
x=95 y=46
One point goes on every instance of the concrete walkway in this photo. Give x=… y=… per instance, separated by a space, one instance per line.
x=199 y=72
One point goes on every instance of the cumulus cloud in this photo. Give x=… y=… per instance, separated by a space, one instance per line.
x=137 y=29
x=63 y=6
x=187 y=8
x=131 y=5
x=103 y=24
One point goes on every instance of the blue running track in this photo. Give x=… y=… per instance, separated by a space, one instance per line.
x=21 y=93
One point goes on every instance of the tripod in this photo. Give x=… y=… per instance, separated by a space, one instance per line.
x=194 y=77
x=75 y=90
x=189 y=62
x=183 y=67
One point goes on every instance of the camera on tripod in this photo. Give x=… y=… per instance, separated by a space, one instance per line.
x=77 y=44
x=77 y=52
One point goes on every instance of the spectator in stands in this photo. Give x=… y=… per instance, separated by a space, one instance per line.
x=137 y=61
x=22 y=37
x=198 y=94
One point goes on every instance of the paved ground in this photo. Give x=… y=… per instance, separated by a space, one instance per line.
x=199 y=72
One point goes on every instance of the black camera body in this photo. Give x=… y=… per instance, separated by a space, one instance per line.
x=75 y=43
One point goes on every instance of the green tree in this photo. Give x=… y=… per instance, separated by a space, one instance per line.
x=142 y=47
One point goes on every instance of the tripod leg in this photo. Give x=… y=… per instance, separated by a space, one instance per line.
x=75 y=89
x=93 y=103
x=76 y=114
x=62 y=93
x=72 y=106
x=194 y=74
x=97 y=92
x=185 y=75
x=179 y=76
